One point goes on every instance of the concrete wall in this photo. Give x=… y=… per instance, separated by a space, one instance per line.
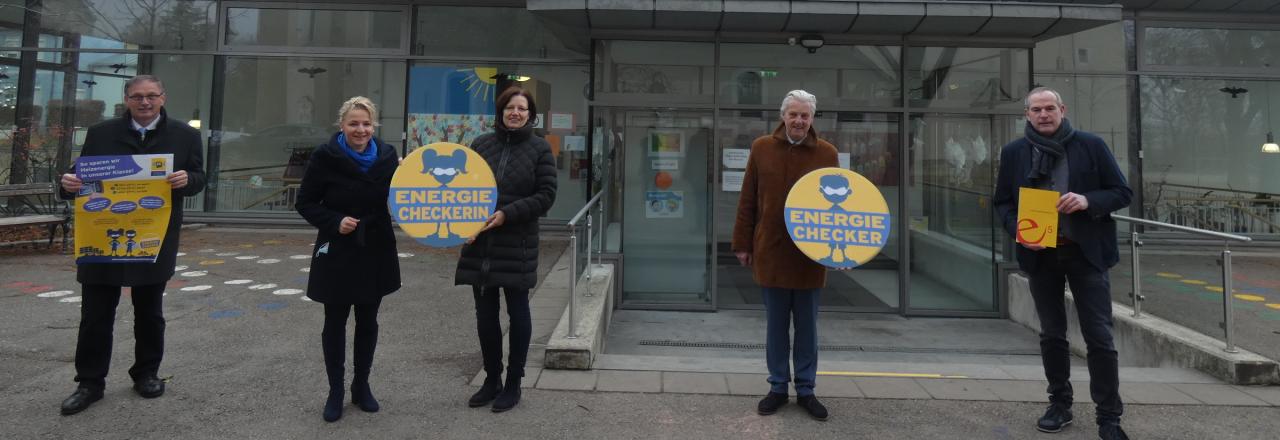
x=1153 y=342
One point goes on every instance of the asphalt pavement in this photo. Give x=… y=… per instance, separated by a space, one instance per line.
x=243 y=361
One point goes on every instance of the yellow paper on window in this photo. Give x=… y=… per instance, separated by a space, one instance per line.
x=1037 y=217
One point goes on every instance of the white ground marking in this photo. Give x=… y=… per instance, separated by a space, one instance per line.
x=262 y=286
x=70 y=299
x=405 y=255
x=247 y=257
x=55 y=294
x=287 y=292
x=305 y=270
x=268 y=261
x=299 y=257
x=182 y=254
x=195 y=273
x=197 y=288
x=179 y=268
x=235 y=282
x=226 y=254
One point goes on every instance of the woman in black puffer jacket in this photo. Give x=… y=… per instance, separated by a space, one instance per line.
x=505 y=252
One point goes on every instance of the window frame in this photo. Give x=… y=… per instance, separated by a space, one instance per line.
x=224 y=17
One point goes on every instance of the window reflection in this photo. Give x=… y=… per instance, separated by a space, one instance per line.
x=111 y=24
x=1203 y=163
x=1220 y=48
x=303 y=28
x=843 y=75
x=966 y=78
x=276 y=110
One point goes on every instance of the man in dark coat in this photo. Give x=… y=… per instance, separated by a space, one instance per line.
x=144 y=129
x=1080 y=167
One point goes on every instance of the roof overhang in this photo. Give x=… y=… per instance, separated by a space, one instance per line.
x=994 y=19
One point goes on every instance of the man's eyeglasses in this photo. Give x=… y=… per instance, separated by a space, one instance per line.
x=141 y=98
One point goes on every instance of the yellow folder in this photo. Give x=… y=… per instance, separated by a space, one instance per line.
x=1038 y=217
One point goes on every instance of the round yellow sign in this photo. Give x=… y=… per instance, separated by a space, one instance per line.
x=837 y=217
x=442 y=194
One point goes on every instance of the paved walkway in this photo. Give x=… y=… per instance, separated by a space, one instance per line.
x=998 y=361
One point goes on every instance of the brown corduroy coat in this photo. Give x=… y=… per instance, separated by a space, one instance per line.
x=773 y=167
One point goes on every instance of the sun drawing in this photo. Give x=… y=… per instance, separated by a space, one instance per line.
x=480 y=82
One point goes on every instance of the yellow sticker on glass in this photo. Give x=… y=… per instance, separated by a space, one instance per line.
x=837 y=217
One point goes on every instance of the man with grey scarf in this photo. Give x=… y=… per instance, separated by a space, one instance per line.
x=1079 y=166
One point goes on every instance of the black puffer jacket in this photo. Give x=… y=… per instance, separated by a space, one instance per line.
x=507 y=256
x=360 y=267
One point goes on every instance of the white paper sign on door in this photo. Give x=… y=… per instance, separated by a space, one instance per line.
x=666 y=164
x=731 y=181
x=735 y=158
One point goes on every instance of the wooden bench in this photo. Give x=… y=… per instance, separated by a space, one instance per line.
x=22 y=212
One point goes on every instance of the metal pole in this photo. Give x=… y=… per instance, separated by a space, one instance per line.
x=1136 y=296
x=588 y=268
x=573 y=285
x=604 y=223
x=1228 y=324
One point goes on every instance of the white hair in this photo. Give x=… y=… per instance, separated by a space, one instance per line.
x=1026 y=102
x=799 y=96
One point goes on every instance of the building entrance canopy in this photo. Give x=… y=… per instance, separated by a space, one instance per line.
x=1037 y=21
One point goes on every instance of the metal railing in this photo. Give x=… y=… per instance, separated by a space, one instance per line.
x=1228 y=321
x=1223 y=209
x=575 y=273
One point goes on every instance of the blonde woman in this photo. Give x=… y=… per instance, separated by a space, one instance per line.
x=354 y=264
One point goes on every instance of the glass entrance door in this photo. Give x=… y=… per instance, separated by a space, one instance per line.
x=868 y=144
x=955 y=236
x=665 y=200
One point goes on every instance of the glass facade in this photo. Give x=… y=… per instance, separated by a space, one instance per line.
x=653 y=119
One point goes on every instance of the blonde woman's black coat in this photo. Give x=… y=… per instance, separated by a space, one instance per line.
x=360 y=267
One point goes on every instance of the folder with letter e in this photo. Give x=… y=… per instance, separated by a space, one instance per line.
x=1038 y=217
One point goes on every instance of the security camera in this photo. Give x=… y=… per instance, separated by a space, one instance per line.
x=811 y=42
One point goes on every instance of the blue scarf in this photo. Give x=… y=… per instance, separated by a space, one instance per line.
x=363 y=160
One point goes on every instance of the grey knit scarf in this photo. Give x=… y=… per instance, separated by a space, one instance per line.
x=1047 y=151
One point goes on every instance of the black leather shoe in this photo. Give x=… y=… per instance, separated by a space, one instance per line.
x=1054 y=418
x=1111 y=431
x=489 y=391
x=813 y=407
x=510 y=395
x=149 y=387
x=770 y=403
x=79 y=400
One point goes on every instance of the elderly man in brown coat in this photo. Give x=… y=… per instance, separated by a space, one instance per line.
x=790 y=280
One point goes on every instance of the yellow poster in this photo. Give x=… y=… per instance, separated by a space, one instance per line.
x=837 y=218
x=1038 y=217
x=122 y=211
x=442 y=194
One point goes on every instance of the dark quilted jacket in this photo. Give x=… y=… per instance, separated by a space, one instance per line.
x=507 y=256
